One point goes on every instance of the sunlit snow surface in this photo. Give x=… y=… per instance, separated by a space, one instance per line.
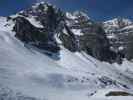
x=76 y=76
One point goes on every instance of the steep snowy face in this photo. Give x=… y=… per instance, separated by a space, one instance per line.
x=27 y=74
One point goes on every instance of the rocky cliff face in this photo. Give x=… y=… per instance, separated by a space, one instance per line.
x=42 y=36
x=43 y=26
x=89 y=36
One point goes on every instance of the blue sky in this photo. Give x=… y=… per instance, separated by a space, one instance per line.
x=8 y=7
x=97 y=9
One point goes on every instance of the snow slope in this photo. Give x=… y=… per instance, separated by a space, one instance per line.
x=76 y=76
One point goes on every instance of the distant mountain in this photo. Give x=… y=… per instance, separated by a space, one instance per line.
x=119 y=32
x=116 y=24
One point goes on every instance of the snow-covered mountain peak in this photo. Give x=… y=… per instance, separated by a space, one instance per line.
x=81 y=14
x=76 y=15
x=117 y=23
x=40 y=6
x=70 y=16
x=117 y=20
x=37 y=9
